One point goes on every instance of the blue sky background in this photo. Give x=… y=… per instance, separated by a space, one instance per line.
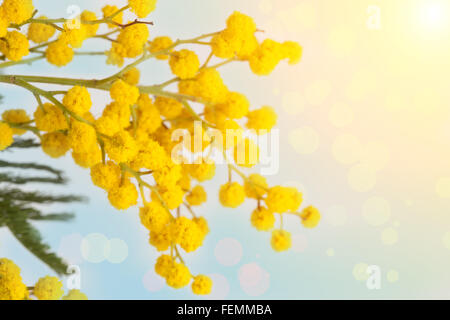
x=322 y=264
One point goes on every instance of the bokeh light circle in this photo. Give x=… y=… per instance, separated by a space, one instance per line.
x=228 y=252
x=299 y=243
x=443 y=187
x=118 y=250
x=446 y=240
x=336 y=215
x=220 y=288
x=376 y=211
x=317 y=92
x=346 y=148
x=360 y=271
x=153 y=282
x=254 y=280
x=392 y=276
x=70 y=248
x=293 y=103
x=362 y=178
x=304 y=140
x=330 y=252
x=389 y=236
x=340 y=115
x=95 y=247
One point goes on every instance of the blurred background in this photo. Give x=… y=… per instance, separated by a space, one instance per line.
x=364 y=133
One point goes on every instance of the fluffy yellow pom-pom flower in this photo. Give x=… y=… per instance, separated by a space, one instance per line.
x=163 y=265
x=202 y=285
x=131 y=40
x=16 y=116
x=167 y=176
x=78 y=100
x=88 y=158
x=178 y=276
x=6 y=136
x=231 y=195
x=107 y=125
x=255 y=186
x=120 y=112
x=151 y=156
x=310 y=217
x=202 y=224
x=40 y=32
x=142 y=8
x=262 y=219
x=262 y=119
x=18 y=11
x=239 y=22
x=91 y=29
x=108 y=11
x=3 y=23
x=186 y=233
x=281 y=240
x=74 y=35
x=14 y=45
x=159 y=44
x=59 y=53
x=106 y=176
x=184 y=63
x=292 y=51
x=202 y=171
x=75 y=294
x=283 y=199
x=237 y=39
x=154 y=216
x=49 y=118
x=246 y=153
x=11 y=285
x=82 y=137
x=160 y=240
x=55 y=144
x=197 y=196
x=264 y=60
x=123 y=93
x=168 y=107
x=124 y=196
x=132 y=76
x=121 y=147
x=48 y=288
x=236 y=105
x=172 y=196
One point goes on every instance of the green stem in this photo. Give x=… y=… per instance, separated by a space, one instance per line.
x=107 y=19
x=190 y=209
x=136 y=174
x=178 y=254
x=90 y=53
x=24 y=61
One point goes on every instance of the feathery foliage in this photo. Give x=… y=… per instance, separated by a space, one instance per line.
x=18 y=208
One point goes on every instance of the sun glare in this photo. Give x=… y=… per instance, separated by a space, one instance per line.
x=434 y=15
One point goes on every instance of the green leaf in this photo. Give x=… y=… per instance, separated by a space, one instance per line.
x=6 y=177
x=34 y=166
x=17 y=205
x=31 y=239
x=52 y=217
x=24 y=144
x=36 y=197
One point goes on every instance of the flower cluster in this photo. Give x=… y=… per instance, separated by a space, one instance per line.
x=46 y=288
x=129 y=147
